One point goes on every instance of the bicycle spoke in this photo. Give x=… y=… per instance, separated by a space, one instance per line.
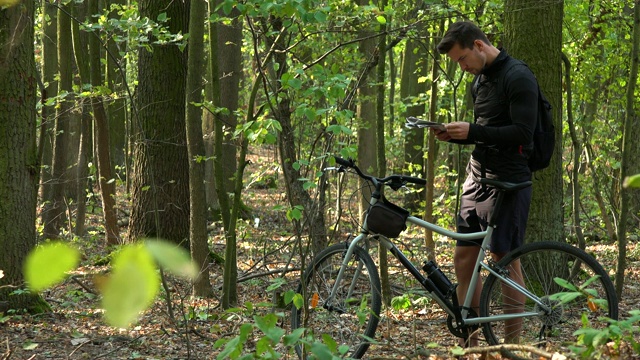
x=586 y=293
x=351 y=316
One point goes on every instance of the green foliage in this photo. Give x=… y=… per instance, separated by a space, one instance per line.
x=267 y=336
x=133 y=283
x=173 y=258
x=48 y=264
x=576 y=292
x=632 y=181
x=591 y=341
x=131 y=287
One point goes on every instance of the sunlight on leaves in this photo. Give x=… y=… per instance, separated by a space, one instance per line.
x=632 y=181
x=8 y=3
x=132 y=286
x=49 y=263
x=173 y=258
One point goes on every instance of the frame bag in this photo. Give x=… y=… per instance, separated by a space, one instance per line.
x=386 y=219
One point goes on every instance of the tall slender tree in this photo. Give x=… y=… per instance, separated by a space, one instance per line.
x=195 y=146
x=50 y=88
x=533 y=33
x=19 y=162
x=629 y=202
x=54 y=217
x=160 y=175
x=103 y=149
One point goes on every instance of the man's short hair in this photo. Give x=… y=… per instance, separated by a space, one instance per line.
x=463 y=33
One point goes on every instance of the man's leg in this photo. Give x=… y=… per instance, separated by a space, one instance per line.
x=464 y=260
x=513 y=302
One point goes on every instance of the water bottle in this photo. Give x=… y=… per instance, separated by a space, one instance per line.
x=438 y=277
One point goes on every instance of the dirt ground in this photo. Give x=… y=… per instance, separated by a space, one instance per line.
x=75 y=328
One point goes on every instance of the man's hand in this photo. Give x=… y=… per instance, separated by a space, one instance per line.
x=455 y=130
x=458 y=130
x=441 y=135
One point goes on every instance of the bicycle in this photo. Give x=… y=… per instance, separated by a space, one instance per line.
x=342 y=293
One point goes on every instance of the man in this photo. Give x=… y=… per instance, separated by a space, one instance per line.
x=505 y=112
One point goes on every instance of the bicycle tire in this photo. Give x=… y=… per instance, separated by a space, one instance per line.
x=353 y=317
x=541 y=262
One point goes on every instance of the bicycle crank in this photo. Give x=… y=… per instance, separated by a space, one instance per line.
x=462 y=331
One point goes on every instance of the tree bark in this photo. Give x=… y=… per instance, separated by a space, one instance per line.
x=18 y=155
x=229 y=74
x=50 y=88
x=105 y=169
x=54 y=212
x=630 y=153
x=383 y=263
x=81 y=51
x=160 y=176
x=195 y=146
x=414 y=67
x=533 y=34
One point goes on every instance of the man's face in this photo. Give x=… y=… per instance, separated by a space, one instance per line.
x=470 y=60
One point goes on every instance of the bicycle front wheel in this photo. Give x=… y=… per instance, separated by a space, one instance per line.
x=587 y=289
x=351 y=316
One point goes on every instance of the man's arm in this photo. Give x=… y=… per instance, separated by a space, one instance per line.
x=522 y=94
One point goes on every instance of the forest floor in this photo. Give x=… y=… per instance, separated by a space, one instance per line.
x=75 y=328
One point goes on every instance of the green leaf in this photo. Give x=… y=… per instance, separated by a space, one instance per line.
x=321 y=351
x=30 y=345
x=381 y=19
x=565 y=284
x=400 y=302
x=288 y=296
x=276 y=284
x=330 y=342
x=49 y=263
x=298 y=301
x=267 y=324
x=172 y=257
x=292 y=339
x=632 y=181
x=131 y=287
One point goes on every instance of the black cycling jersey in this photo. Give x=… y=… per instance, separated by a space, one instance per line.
x=505 y=111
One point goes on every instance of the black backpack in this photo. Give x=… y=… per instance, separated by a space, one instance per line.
x=544 y=134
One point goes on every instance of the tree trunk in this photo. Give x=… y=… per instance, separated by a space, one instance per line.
x=431 y=158
x=630 y=153
x=81 y=51
x=116 y=106
x=160 y=179
x=229 y=74
x=383 y=263
x=576 y=189
x=414 y=67
x=19 y=162
x=195 y=146
x=533 y=33
x=105 y=170
x=54 y=213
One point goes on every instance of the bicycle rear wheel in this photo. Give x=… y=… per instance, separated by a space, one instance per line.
x=541 y=263
x=351 y=317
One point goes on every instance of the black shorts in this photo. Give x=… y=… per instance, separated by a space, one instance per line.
x=475 y=209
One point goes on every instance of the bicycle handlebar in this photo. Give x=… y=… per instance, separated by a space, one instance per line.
x=393 y=181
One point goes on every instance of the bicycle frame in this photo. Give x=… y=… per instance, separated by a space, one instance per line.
x=461 y=314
